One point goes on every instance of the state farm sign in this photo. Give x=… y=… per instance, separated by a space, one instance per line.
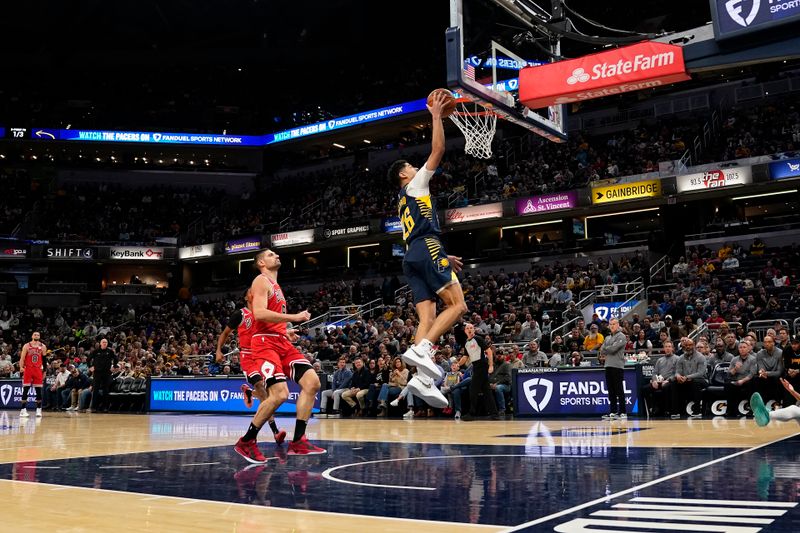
x=475 y=212
x=631 y=68
x=715 y=179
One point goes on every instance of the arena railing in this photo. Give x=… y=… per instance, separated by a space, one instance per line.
x=662 y=265
x=697 y=333
x=659 y=286
x=633 y=300
x=760 y=327
x=567 y=326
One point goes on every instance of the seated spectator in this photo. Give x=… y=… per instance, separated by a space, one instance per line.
x=742 y=371
x=575 y=359
x=534 y=356
x=339 y=385
x=76 y=383
x=359 y=387
x=594 y=340
x=500 y=382
x=398 y=378
x=690 y=380
x=769 y=363
x=658 y=392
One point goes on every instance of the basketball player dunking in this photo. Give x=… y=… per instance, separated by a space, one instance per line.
x=243 y=322
x=31 y=363
x=430 y=272
x=274 y=356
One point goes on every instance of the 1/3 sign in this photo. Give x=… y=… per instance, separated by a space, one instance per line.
x=17 y=133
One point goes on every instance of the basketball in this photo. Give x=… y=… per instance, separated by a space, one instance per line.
x=449 y=107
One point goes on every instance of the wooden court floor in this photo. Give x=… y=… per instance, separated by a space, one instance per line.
x=110 y=472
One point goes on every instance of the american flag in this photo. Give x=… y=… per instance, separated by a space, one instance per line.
x=469 y=72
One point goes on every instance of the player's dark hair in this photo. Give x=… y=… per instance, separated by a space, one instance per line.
x=259 y=256
x=394 y=171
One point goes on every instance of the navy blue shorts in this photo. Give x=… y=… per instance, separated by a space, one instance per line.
x=427 y=268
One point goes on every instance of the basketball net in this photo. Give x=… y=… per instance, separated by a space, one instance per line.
x=478 y=125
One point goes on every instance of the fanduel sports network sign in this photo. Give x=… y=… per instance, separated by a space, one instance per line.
x=733 y=18
x=142 y=253
x=193 y=252
x=559 y=392
x=609 y=310
x=626 y=191
x=149 y=137
x=789 y=168
x=473 y=213
x=715 y=179
x=245 y=244
x=343 y=233
x=630 y=68
x=292 y=238
x=11 y=394
x=69 y=253
x=547 y=202
x=210 y=395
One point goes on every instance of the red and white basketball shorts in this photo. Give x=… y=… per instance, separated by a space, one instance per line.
x=273 y=358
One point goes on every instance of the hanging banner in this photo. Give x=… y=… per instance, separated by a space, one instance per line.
x=715 y=179
x=626 y=191
x=193 y=252
x=473 y=213
x=790 y=168
x=346 y=232
x=292 y=238
x=141 y=253
x=392 y=225
x=245 y=244
x=70 y=253
x=631 y=68
x=546 y=203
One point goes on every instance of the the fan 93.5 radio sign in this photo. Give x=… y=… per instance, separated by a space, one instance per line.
x=715 y=179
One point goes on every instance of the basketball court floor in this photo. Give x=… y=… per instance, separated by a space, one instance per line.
x=104 y=472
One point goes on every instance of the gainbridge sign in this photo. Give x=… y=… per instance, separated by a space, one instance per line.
x=631 y=68
x=626 y=191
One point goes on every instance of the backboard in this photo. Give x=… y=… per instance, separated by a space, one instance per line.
x=486 y=46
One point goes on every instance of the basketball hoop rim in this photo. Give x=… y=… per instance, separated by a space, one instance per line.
x=486 y=113
x=461 y=109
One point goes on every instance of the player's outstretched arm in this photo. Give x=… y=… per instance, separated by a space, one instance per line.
x=437 y=140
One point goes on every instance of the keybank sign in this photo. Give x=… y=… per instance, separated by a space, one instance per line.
x=570 y=392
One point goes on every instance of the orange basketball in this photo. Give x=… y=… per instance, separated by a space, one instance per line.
x=449 y=106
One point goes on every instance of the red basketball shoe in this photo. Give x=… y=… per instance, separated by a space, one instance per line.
x=280 y=437
x=303 y=447
x=249 y=450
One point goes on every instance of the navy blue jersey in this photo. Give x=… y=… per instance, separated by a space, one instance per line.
x=418 y=213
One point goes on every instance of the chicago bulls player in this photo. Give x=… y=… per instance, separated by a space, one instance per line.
x=31 y=363
x=242 y=321
x=274 y=356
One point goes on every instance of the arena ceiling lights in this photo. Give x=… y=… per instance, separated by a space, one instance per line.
x=790 y=191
